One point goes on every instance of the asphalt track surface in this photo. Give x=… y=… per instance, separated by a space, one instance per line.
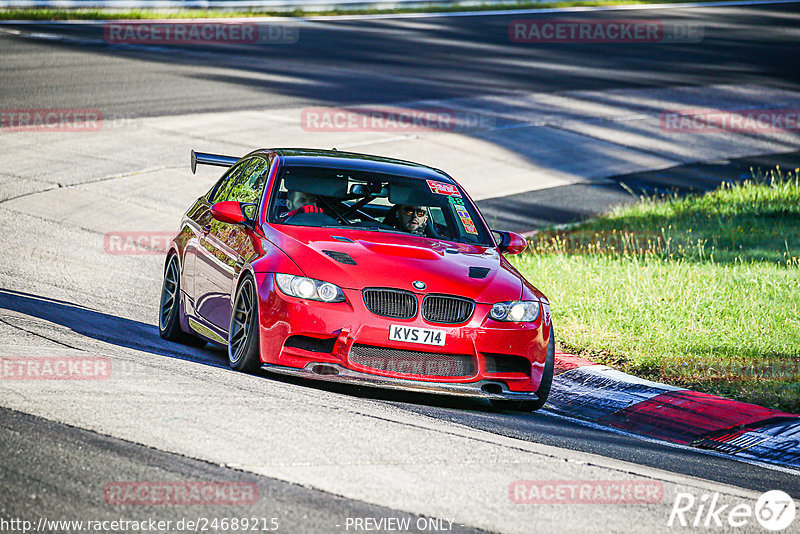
x=49 y=467
x=378 y=61
x=51 y=464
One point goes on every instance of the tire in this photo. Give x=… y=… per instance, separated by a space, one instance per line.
x=243 y=352
x=169 y=326
x=544 y=387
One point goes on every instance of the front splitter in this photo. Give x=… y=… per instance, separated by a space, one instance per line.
x=344 y=375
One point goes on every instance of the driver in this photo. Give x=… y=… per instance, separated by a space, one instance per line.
x=300 y=202
x=412 y=219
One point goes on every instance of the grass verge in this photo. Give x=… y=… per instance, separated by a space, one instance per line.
x=700 y=291
x=133 y=14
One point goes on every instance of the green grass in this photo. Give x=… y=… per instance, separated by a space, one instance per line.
x=699 y=291
x=104 y=14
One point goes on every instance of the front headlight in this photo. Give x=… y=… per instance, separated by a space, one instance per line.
x=308 y=288
x=515 y=311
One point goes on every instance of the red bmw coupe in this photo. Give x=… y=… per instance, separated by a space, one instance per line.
x=356 y=268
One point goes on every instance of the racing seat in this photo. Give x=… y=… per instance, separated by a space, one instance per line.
x=391 y=218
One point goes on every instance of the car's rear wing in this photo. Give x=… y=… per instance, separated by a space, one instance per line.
x=211 y=159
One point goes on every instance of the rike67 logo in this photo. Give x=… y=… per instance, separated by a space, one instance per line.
x=774 y=510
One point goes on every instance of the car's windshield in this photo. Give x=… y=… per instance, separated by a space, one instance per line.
x=325 y=197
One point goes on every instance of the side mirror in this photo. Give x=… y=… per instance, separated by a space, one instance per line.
x=511 y=243
x=228 y=212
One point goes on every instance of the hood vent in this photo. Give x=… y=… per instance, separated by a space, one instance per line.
x=478 y=272
x=341 y=257
x=342 y=239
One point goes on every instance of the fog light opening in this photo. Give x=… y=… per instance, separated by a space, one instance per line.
x=494 y=389
x=325 y=370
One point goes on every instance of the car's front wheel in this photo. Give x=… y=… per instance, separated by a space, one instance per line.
x=243 y=353
x=544 y=386
x=169 y=327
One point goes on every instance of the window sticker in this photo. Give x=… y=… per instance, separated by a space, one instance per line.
x=441 y=188
x=469 y=226
x=466 y=220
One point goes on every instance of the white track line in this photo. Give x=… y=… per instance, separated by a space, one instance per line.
x=532 y=11
x=576 y=9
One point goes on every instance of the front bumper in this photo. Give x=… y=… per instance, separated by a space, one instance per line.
x=328 y=372
x=340 y=327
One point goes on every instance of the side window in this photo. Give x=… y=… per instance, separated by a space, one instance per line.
x=439 y=221
x=437 y=214
x=223 y=187
x=249 y=185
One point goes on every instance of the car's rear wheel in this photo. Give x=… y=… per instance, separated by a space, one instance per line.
x=169 y=327
x=243 y=353
x=544 y=386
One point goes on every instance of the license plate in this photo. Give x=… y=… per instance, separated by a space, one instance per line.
x=412 y=334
